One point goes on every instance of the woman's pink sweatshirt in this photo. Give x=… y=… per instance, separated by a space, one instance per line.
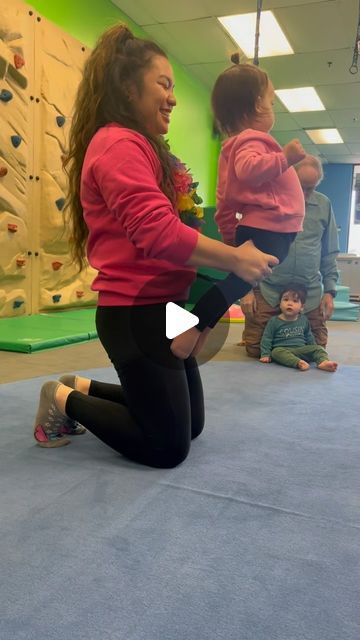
x=256 y=187
x=136 y=241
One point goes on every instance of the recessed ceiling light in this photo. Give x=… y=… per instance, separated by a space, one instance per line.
x=300 y=99
x=324 y=136
x=272 y=41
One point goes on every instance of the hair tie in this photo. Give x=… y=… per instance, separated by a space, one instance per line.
x=123 y=37
x=235 y=58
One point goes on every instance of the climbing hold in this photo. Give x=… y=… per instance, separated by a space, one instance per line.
x=79 y=294
x=3 y=171
x=56 y=297
x=5 y=95
x=56 y=265
x=16 y=141
x=60 y=121
x=17 y=303
x=12 y=227
x=18 y=61
x=60 y=203
x=20 y=262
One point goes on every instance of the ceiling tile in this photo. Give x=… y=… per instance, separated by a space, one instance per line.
x=312 y=150
x=333 y=149
x=313 y=119
x=350 y=159
x=354 y=147
x=330 y=67
x=283 y=137
x=286 y=72
x=343 y=97
x=310 y=69
x=346 y=117
x=182 y=40
x=207 y=72
x=304 y=27
x=145 y=12
x=350 y=135
x=141 y=12
x=285 y=122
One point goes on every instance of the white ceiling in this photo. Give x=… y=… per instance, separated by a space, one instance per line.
x=321 y=32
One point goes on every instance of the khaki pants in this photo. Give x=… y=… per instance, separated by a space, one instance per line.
x=254 y=326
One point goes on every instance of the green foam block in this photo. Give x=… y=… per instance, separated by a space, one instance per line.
x=27 y=334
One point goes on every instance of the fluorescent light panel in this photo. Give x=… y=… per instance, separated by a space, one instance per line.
x=300 y=99
x=324 y=136
x=272 y=41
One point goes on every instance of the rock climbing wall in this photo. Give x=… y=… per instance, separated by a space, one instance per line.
x=16 y=46
x=59 y=61
x=40 y=68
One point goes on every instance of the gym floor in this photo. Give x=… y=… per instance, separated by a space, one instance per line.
x=343 y=346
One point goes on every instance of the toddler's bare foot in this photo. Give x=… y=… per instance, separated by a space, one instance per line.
x=183 y=345
x=200 y=343
x=303 y=365
x=328 y=365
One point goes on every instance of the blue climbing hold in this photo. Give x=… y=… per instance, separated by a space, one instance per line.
x=56 y=297
x=17 y=303
x=6 y=95
x=16 y=141
x=60 y=121
x=60 y=203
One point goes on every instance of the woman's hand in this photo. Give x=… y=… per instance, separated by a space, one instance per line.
x=251 y=264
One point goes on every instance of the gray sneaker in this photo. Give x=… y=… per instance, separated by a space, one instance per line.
x=49 y=421
x=71 y=427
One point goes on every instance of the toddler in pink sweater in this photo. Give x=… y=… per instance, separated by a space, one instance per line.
x=259 y=197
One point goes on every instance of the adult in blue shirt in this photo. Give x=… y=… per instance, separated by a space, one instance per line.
x=311 y=262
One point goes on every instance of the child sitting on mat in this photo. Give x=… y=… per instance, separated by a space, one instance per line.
x=288 y=339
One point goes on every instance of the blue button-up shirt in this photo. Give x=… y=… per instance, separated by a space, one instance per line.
x=311 y=261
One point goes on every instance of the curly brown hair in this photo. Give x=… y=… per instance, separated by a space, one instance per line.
x=118 y=60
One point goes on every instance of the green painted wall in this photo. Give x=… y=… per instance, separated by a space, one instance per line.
x=190 y=131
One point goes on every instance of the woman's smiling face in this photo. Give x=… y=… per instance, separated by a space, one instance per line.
x=155 y=101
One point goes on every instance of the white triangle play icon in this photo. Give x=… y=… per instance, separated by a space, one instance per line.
x=178 y=320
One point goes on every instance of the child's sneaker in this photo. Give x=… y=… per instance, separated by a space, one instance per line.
x=71 y=427
x=49 y=421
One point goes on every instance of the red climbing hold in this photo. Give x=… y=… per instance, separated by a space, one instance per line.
x=12 y=227
x=18 y=61
x=20 y=262
x=79 y=294
x=3 y=171
x=56 y=265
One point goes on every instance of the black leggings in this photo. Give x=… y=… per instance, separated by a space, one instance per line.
x=215 y=302
x=158 y=409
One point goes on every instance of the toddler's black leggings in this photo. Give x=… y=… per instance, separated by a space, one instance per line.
x=216 y=301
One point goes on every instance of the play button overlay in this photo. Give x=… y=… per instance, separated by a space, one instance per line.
x=178 y=320
x=151 y=327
